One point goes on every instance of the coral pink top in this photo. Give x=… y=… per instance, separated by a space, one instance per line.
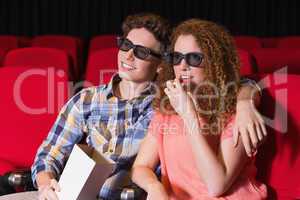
x=179 y=171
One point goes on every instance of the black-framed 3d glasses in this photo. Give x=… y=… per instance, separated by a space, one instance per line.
x=193 y=59
x=139 y=51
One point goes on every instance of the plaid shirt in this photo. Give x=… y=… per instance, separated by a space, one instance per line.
x=114 y=127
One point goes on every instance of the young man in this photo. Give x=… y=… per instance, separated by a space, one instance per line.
x=114 y=117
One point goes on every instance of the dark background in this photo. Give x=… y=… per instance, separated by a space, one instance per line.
x=86 y=18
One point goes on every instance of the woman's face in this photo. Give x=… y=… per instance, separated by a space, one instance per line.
x=187 y=74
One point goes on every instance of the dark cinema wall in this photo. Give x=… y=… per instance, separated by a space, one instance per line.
x=87 y=18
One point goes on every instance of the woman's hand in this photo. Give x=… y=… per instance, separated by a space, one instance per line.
x=156 y=191
x=181 y=101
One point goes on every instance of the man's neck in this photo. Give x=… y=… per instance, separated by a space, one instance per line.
x=129 y=90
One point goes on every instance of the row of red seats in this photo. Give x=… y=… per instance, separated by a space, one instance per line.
x=28 y=115
x=278 y=160
x=40 y=57
x=8 y=42
x=254 y=60
x=72 y=45
x=258 y=55
x=108 y=41
x=251 y=42
x=31 y=101
x=36 y=56
x=242 y=42
x=11 y=48
x=269 y=60
x=103 y=63
x=271 y=54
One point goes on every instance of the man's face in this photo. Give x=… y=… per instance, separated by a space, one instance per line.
x=135 y=69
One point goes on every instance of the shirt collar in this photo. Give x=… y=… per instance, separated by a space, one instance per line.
x=149 y=90
x=112 y=83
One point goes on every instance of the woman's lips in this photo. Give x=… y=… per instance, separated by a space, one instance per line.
x=185 y=78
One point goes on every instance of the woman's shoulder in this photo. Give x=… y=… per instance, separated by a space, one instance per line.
x=162 y=122
x=159 y=115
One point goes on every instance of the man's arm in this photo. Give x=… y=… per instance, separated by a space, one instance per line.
x=44 y=178
x=53 y=152
x=249 y=91
x=249 y=123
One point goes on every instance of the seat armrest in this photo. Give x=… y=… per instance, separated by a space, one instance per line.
x=132 y=192
x=19 y=178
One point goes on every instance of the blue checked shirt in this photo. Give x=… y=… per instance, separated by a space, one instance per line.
x=114 y=127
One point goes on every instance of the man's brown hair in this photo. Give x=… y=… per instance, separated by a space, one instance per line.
x=155 y=24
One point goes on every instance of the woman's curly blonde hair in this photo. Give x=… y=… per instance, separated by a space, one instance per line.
x=221 y=68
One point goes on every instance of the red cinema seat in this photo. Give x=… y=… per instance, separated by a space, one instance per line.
x=247 y=42
x=6 y=166
x=278 y=160
x=8 y=42
x=102 y=42
x=31 y=100
x=71 y=45
x=24 y=41
x=270 y=60
x=101 y=66
x=271 y=42
x=38 y=57
x=2 y=55
x=248 y=64
x=289 y=42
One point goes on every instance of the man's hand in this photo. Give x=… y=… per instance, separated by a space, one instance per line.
x=47 y=192
x=249 y=124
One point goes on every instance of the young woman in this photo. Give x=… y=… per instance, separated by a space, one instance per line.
x=191 y=133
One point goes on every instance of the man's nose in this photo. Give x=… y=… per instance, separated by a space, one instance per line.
x=129 y=55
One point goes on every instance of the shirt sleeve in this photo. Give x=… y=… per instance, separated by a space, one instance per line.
x=66 y=131
x=140 y=130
